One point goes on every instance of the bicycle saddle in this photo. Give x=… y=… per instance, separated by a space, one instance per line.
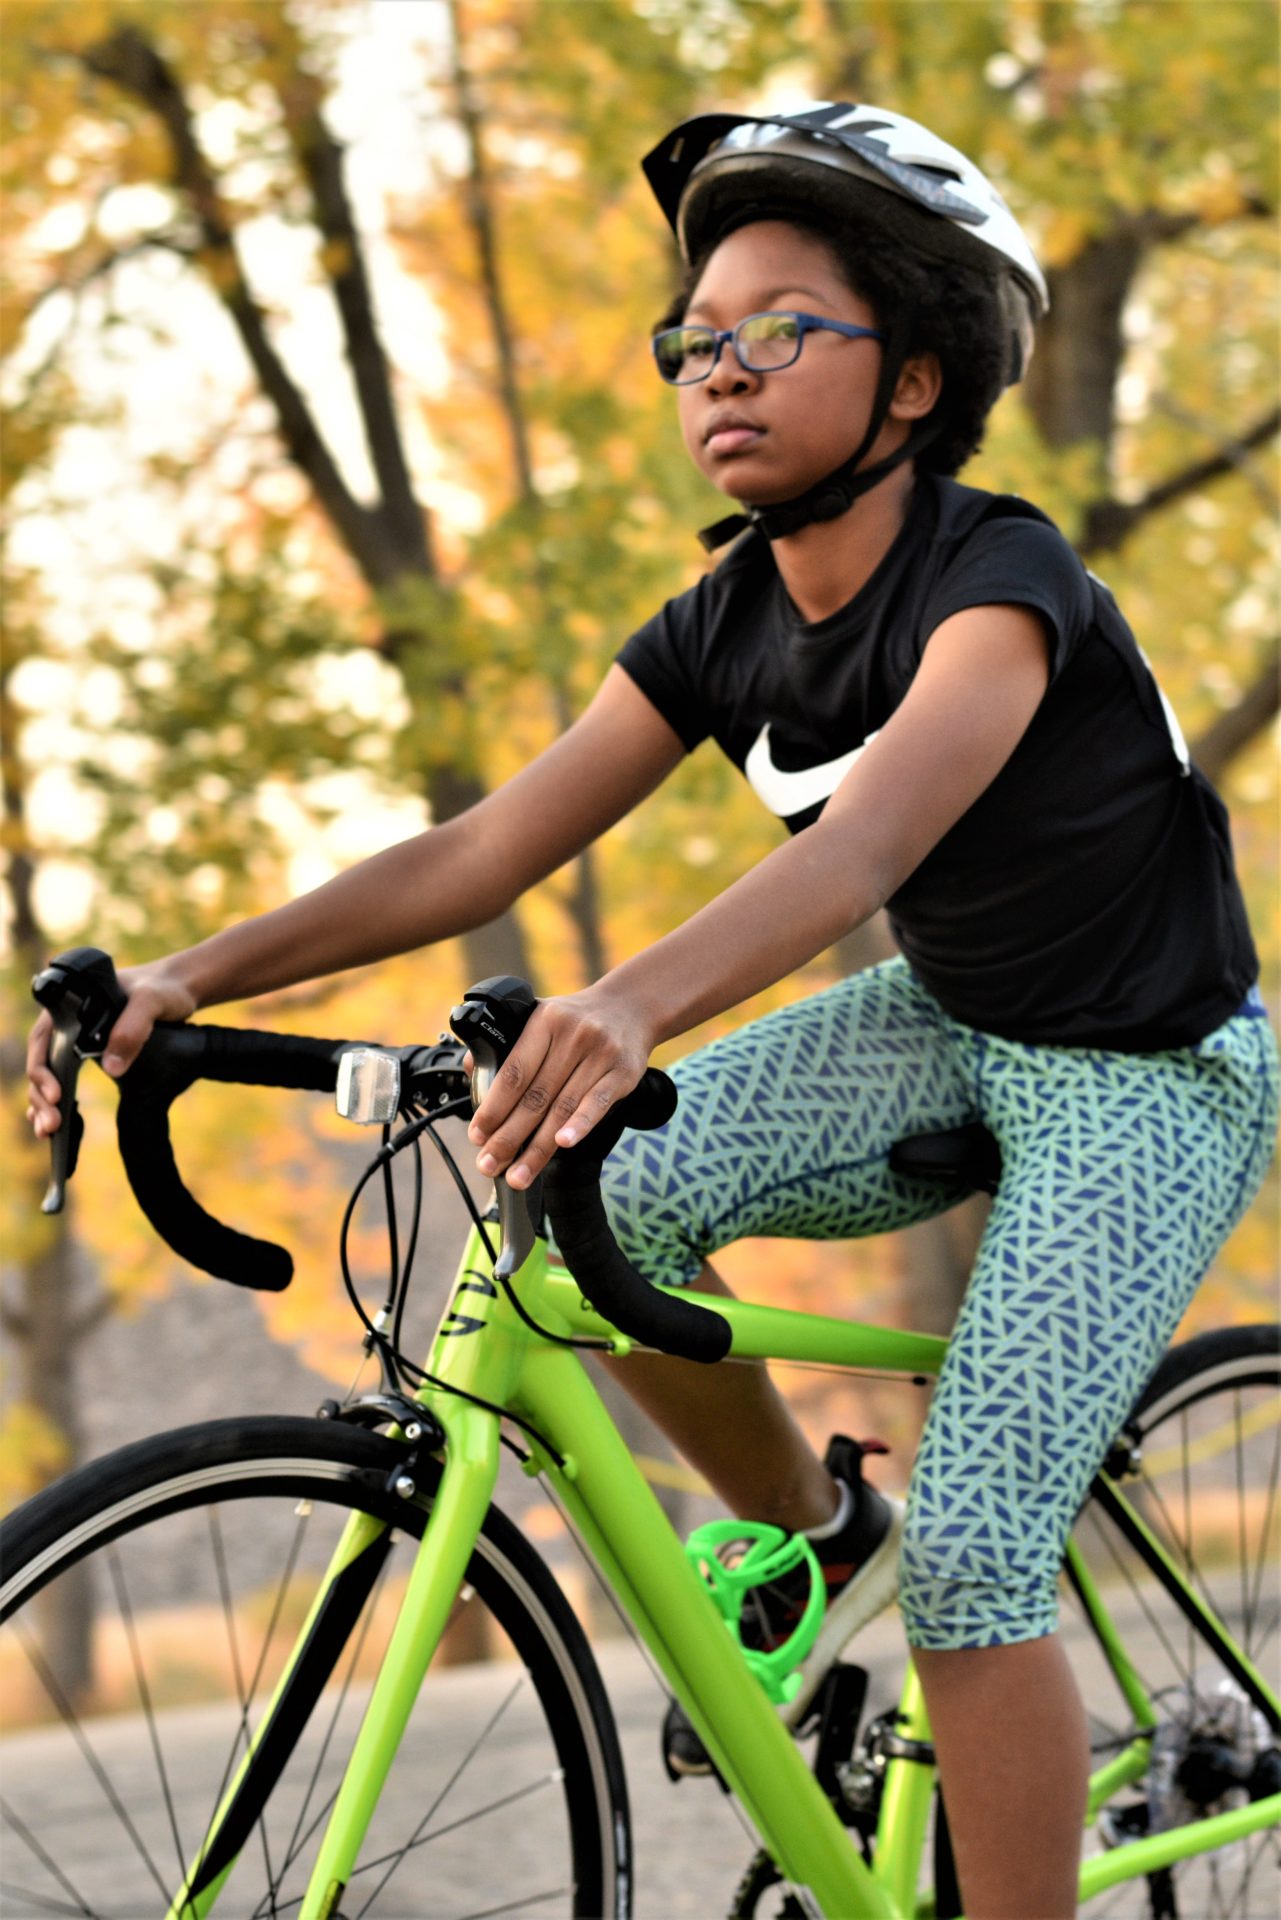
x=960 y=1156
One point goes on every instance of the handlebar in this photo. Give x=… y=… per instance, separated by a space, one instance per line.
x=84 y=997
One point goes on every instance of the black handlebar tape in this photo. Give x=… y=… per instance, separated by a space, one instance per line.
x=172 y=1059
x=571 y=1189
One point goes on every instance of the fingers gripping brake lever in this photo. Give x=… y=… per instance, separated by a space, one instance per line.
x=84 y=997
x=491 y=1019
x=489 y=1022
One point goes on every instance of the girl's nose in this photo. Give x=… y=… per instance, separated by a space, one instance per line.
x=729 y=375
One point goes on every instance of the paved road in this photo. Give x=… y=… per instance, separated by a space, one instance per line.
x=690 y=1846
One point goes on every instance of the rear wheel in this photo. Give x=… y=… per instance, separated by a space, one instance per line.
x=150 y=1603
x=1200 y=1462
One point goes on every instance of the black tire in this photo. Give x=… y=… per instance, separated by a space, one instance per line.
x=1200 y=1460
x=196 y=1554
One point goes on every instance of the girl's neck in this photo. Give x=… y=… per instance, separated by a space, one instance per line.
x=824 y=565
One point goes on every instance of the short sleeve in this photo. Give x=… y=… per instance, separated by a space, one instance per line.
x=663 y=658
x=1018 y=562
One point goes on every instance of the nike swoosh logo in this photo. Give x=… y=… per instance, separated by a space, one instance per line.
x=787 y=794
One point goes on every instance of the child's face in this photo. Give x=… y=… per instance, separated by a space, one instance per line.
x=764 y=437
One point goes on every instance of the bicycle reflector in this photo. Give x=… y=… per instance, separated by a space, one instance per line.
x=733 y=1556
x=368 y=1087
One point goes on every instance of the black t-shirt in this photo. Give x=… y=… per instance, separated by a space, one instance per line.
x=1088 y=896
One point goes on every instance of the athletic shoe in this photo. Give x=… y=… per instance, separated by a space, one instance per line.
x=860 y=1568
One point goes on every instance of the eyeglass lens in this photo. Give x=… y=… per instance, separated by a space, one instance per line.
x=764 y=342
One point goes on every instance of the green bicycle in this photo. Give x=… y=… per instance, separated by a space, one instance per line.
x=241 y=1660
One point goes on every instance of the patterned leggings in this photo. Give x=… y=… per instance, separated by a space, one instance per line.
x=1122 y=1175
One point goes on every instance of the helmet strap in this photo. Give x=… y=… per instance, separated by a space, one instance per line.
x=829 y=498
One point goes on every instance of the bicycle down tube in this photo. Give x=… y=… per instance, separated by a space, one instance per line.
x=495 y=1358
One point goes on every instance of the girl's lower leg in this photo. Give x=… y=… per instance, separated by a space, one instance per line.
x=1013 y=1753
x=734 y=1427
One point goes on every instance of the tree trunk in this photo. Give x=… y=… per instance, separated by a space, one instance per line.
x=390 y=541
x=47 y=1325
x=1071 y=383
x=583 y=902
x=48 y=1374
x=498 y=947
x=1227 y=736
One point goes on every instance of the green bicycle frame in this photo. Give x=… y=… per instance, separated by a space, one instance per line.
x=484 y=1351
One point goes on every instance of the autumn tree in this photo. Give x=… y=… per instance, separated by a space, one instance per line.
x=1128 y=139
x=134 y=73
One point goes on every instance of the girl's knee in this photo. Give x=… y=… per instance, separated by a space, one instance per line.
x=962 y=1585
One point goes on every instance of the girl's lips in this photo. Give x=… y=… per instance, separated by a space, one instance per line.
x=729 y=440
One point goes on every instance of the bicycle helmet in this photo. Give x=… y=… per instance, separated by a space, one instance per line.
x=850 y=166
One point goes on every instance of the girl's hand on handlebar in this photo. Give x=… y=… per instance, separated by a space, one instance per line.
x=578 y=1055
x=153 y=994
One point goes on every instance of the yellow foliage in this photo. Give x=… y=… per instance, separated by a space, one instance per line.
x=32 y=1452
x=1065 y=234
x=1213 y=200
x=1082 y=114
x=335 y=258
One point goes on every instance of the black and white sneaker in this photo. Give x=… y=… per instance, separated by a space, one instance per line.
x=860 y=1568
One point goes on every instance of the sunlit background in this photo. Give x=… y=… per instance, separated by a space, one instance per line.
x=336 y=471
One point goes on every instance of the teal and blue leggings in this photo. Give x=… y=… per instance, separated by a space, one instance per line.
x=1122 y=1175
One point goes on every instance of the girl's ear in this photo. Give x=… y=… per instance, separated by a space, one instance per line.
x=919 y=386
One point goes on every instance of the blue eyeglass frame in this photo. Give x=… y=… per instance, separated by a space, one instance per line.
x=805 y=323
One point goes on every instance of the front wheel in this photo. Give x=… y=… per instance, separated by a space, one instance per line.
x=150 y=1608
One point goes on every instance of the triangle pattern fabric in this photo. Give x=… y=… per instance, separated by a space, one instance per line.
x=1122 y=1175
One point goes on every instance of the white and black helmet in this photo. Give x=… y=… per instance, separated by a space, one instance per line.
x=855 y=166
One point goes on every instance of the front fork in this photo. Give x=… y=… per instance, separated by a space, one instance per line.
x=458 y=1512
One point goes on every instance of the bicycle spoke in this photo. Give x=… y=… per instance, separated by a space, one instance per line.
x=1123 y=1566
x=243 y=1695
x=448 y=1787
x=451 y=1826
x=50 y=1865
x=9 y=1890
x=1243 y=1543
x=72 y=1723
x=521 y=1905
x=493 y=1806
x=144 y=1694
x=1269 y=1510
x=1193 y=1577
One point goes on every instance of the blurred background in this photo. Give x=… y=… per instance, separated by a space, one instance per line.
x=336 y=470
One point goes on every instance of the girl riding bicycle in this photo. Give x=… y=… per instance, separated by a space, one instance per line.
x=953 y=720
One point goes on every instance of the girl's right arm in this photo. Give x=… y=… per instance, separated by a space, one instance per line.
x=440 y=883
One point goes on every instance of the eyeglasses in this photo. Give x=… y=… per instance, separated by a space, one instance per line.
x=762 y=343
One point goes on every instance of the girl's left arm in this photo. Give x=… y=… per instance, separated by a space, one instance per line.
x=980 y=681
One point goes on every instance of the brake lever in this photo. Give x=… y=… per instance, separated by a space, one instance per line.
x=82 y=994
x=489 y=1022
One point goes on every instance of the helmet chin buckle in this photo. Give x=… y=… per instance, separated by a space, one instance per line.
x=829 y=505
